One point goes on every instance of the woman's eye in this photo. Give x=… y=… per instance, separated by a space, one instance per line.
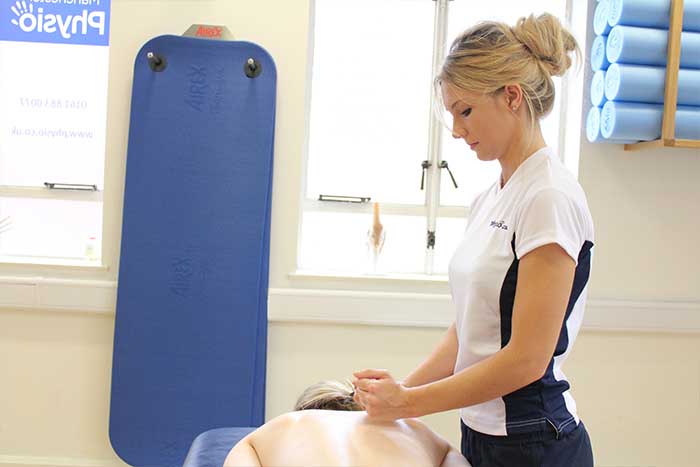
x=467 y=112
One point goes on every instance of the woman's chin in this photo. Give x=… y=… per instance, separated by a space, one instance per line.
x=482 y=155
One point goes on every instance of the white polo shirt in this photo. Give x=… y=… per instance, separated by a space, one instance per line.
x=542 y=203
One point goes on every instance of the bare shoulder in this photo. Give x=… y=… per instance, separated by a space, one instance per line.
x=419 y=426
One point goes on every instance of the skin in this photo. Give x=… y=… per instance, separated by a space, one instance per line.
x=497 y=127
x=339 y=438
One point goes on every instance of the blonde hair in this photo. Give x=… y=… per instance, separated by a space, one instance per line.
x=328 y=395
x=491 y=55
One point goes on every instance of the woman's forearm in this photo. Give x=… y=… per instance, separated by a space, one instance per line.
x=496 y=376
x=440 y=364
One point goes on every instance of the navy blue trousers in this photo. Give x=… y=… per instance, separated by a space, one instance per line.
x=537 y=449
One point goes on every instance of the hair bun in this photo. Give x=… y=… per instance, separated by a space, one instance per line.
x=547 y=40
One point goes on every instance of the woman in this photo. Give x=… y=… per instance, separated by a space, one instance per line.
x=518 y=279
x=328 y=428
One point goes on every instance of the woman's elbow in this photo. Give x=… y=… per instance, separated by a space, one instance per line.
x=531 y=368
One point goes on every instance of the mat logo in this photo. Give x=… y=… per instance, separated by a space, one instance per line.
x=66 y=25
x=182 y=271
x=209 y=31
x=198 y=88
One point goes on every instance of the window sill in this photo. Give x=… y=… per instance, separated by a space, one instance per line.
x=61 y=263
x=359 y=277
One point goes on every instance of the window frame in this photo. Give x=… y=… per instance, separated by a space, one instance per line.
x=568 y=139
x=48 y=264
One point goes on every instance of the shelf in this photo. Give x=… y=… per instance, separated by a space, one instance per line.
x=668 y=126
x=664 y=143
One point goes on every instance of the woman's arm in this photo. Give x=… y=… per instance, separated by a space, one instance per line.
x=440 y=364
x=545 y=279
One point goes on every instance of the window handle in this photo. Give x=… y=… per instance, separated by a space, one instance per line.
x=70 y=186
x=344 y=199
x=445 y=165
x=425 y=165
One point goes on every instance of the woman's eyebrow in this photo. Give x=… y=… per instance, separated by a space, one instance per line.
x=458 y=101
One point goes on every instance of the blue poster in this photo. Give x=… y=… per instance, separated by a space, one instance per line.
x=84 y=22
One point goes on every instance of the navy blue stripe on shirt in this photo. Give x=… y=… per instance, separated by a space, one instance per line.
x=541 y=402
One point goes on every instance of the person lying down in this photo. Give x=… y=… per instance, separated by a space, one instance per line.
x=328 y=428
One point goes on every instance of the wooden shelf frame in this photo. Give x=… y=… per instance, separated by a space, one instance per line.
x=668 y=126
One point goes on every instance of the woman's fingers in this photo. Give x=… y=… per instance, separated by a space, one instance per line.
x=371 y=374
x=364 y=384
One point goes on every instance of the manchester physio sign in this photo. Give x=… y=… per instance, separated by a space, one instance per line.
x=84 y=22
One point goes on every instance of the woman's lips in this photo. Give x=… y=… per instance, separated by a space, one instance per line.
x=473 y=145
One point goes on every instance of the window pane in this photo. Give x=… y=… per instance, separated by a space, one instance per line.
x=370 y=98
x=52 y=123
x=50 y=228
x=338 y=242
x=474 y=176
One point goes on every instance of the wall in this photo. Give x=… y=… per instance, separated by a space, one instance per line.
x=638 y=393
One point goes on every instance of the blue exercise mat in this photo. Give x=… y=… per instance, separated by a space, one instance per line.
x=191 y=322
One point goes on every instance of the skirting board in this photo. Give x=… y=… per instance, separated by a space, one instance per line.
x=351 y=307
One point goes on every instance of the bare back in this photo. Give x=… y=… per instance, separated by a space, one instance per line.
x=339 y=438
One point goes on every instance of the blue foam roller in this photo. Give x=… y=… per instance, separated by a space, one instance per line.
x=631 y=120
x=593 y=129
x=598 y=88
x=636 y=83
x=647 y=46
x=652 y=13
x=600 y=18
x=599 y=57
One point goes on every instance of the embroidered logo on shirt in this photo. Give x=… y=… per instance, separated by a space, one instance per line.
x=499 y=225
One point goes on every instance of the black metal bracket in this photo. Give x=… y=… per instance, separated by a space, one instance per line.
x=156 y=62
x=252 y=68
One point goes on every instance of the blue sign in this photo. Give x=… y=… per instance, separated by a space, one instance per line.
x=56 y=21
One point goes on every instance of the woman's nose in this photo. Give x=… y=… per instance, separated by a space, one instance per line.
x=457 y=130
x=458 y=133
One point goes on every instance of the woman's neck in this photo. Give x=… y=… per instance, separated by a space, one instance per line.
x=518 y=152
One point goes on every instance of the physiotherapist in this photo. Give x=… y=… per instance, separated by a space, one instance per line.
x=519 y=277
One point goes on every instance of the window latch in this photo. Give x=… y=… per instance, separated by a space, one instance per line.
x=70 y=186
x=425 y=165
x=431 y=239
x=445 y=165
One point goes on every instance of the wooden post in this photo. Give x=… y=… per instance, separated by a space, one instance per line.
x=673 y=63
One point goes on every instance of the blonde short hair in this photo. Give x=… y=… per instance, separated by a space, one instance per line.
x=328 y=395
x=491 y=55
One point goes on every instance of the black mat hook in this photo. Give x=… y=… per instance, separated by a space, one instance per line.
x=252 y=68
x=156 y=62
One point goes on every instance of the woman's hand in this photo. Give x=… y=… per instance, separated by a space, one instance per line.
x=382 y=397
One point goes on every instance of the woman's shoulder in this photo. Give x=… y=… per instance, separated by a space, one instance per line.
x=552 y=178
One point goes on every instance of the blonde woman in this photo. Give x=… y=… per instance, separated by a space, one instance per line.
x=328 y=428
x=519 y=277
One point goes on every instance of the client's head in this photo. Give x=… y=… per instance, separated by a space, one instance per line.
x=328 y=395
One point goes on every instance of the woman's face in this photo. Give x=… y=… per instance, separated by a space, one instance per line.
x=487 y=123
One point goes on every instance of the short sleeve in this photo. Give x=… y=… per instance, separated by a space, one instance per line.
x=549 y=216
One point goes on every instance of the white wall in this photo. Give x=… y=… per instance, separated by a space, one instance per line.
x=637 y=393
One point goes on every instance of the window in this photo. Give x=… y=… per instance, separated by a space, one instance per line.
x=53 y=96
x=371 y=129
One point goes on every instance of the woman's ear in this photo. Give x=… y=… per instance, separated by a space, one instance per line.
x=514 y=96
